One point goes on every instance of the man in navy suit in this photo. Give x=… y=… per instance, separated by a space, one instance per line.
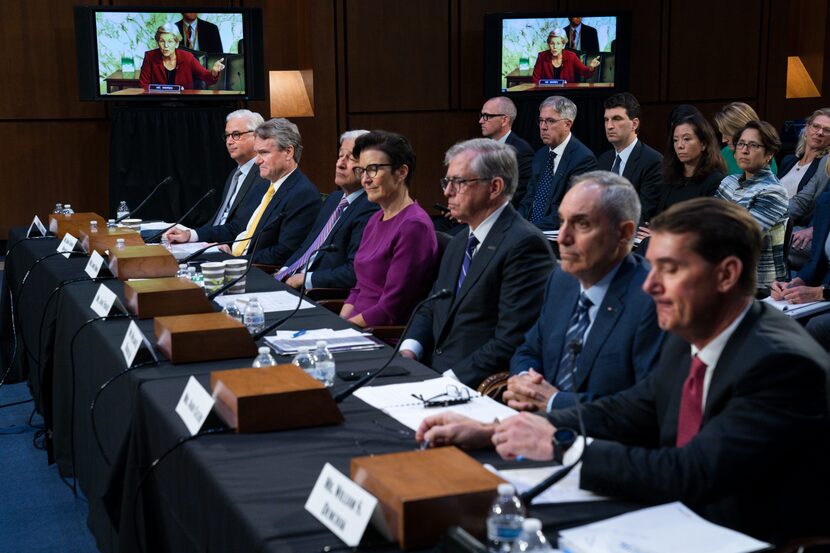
x=198 y=34
x=581 y=37
x=340 y=223
x=594 y=299
x=630 y=157
x=496 y=270
x=562 y=157
x=496 y=120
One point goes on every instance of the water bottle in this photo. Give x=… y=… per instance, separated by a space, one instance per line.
x=264 y=359
x=93 y=226
x=58 y=209
x=182 y=271
x=119 y=243
x=304 y=360
x=67 y=209
x=191 y=274
x=254 y=316
x=531 y=539
x=110 y=223
x=232 y=310
x=505 y=520
x=123 y=211
x=324 y=364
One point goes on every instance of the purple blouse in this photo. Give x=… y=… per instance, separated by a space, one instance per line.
x=395 y=266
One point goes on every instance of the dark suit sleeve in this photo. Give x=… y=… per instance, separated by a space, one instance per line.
x=299 y=212
x=537 y=166
x=529 y=354
x=343 y=275
x=651 y=183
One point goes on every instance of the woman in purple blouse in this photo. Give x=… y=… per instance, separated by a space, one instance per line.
x=395 y=264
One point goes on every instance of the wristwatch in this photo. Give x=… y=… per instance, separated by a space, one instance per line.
x=825 y=292
x=562 y=440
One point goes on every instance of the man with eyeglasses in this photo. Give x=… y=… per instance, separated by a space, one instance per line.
x=563 y=156
x=496 y=120
x=496 y=270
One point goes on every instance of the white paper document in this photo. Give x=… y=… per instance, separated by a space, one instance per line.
x=180 y=251
x=155 y=225
x=288 y=342
x=670 y=527
x=397 y=401
x=566 y=490
x=271 y=302
x=798 y=310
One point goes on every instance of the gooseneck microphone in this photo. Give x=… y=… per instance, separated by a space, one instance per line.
x=255 y=235
x=207 y=195
x=440 y=294
x=167 y=180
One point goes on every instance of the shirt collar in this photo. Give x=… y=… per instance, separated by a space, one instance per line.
x=281 y=180
x=626 y=153
x=483 y=229
x=354 y=195
x=503 y=139
x=596 y=293
x=711 y=352
x=559 y=150
x=245 y=168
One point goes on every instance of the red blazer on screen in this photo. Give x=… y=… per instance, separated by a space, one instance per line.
x=187 y=68
x=570 y=67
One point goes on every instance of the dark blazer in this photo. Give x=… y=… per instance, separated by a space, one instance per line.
x=589 y=40
x=208 y=34
x=686 y=189
x=622 y=344
x=644 y=170
x=524 y=155
x=816 y=271
x=761 y=453
x=244 y=188
x=187 y=68
x=475 y=331
x=297 y=202
x=789 y=161
x=336 y=269
x=576 y=159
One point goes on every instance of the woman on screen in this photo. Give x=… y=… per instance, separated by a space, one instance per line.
x=558 y=63
x=169 y=65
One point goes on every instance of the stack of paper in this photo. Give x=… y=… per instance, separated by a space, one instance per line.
x=566 y=490
x=798 y=310
x=271 y=302
x=180 y=251
x=348 y=339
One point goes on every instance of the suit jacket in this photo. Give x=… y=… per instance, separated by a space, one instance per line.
x=524 y=155
x=761 y=453
x=622 y=344
x=789 y=161
x=644 y=170
x=571 y=67
x=336 y=269
x=244 y=188
x=187 y=67
x=576 y=159
x=589 y=40
x=475 y=331
x=296 y=202
x=208 y=34
x=816 y=271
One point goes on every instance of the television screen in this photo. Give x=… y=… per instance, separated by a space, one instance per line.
x=546 y=53
x=128 y=53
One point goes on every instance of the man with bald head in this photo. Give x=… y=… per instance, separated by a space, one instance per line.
x=496 y=119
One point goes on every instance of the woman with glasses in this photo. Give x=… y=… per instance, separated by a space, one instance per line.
x=558 y=63
x=169 y=65
x=398 y=254
x=729 y=120
x=758 y=190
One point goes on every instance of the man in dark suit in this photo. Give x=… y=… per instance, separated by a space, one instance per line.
x=630 y=157
x=580 y=36
x=340 y=223
x=562 y=157
x=496 y=120
x=733 y=420
x=198 y=34
x=496 y=270
x=594 y=298
x=239 y=140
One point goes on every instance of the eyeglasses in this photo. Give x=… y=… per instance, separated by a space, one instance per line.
x=459 y=184
x=370 y=171
x=754 y=146
x=236 y=135
x=170 y=42
x=815 y=127
x=548 y=121
x=488 y=116
x=453 y=396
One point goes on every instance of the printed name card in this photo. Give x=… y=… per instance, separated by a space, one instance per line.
x=132 y=342
x=103 y=301
x=67 y=245
x=36 y=228
x=194 y=406
x=341 y=505
x=93 y=266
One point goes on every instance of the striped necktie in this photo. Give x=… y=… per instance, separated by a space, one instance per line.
x=321 y=238
x=222 y=216
x=543 y=189
x=242 y=245
x=576 y=331
x=472 y=242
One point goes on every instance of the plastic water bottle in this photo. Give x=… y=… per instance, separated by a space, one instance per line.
x=232 y=310
x=119 y=243
x=93 y=226
x=304 y=360
x=504 y=523
x=254 y=316
x=58 y=209
x=324 y=364
x=191 y=274
x=182 y=270
x=110 y=223
x=264 y=359
x=123 y=211
x=67 y=209
x=531 y=539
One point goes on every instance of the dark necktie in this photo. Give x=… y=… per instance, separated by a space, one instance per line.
x=576 y=331
x=190 y=37
x=472 y=242
x=543 y=189
x=616 y=167
x=324 y=234
x=222 y=216
x=691 y=403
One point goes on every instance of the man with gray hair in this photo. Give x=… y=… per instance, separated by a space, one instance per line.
x=562 y=157
x=597 y=333
x=495 y=271
x=496 y=120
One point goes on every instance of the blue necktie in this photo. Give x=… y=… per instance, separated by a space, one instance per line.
x=543 y=189
x=616 y=167
x=576 y=330
x=472 y=242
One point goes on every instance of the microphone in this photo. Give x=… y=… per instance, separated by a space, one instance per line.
x=167 y=180
x=440 y=294
x=269 y=328
x=256 y=235
x=207 y=195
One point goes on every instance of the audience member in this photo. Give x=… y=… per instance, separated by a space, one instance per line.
x=580 y=36
x=729 y=120
x=496 y=119
x=199 y=34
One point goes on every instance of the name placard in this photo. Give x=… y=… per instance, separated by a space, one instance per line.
x=36 y=228
x=341 y=505
x=93 y=266
x=67 y=245
x=103 y=301
x=194 y=406
x=133 y=340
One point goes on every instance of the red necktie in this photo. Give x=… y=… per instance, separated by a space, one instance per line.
x=691 y=403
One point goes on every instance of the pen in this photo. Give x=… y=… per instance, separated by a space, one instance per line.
x=299 y=333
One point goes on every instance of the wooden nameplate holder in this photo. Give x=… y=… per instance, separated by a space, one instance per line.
x=423 y=493
x=61 y=224
x=105 y=238
x=202 y=337
x=272 y=398
x=159 y=297
x=142 y=262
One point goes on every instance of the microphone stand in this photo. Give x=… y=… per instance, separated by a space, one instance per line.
x=444 y=293
x=209 y=193
x=150 y=195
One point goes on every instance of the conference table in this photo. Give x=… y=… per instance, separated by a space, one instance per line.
x=221 y=491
